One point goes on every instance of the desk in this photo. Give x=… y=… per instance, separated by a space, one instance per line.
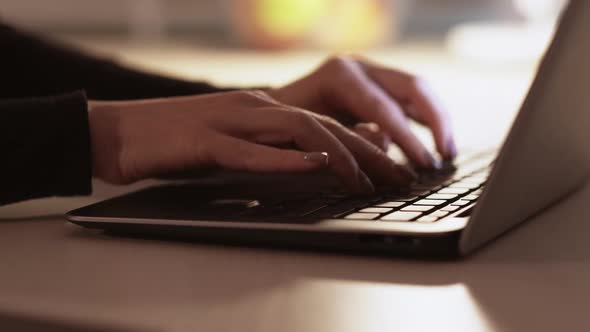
x=63 y=278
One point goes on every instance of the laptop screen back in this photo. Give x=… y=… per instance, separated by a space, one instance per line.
x=547 y=153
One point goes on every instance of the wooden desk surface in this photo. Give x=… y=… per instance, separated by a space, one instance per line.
x=57 y=277
x=533 y=279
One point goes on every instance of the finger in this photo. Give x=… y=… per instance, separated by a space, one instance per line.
x=419 y=102
x=234 y=153
x=284 y=125
x=372 y=133
x=364 y=98
x=310 y=135
x=374 y=161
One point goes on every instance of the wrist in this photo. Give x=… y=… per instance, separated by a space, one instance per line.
x=105 y=140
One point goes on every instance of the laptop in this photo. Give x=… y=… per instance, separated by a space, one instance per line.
x=545 y=156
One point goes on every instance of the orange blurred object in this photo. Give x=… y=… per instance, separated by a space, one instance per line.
x=334 y=24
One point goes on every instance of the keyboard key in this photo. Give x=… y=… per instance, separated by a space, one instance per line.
x=461 y=203
x=482 y=173
x=392 y=204
x=439 y=214
x=471 y=197
x=418 y=208
x=473 y=179
x=467 y=185
x=401 y=216
x=433 y=202
x=442 y=196
x=457 y=191
x=450 y=208
x=427 y=219
x=362 y=216
x=376 y=210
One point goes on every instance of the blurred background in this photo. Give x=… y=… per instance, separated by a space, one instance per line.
x=271 y=41
x=497 y=30
x=273 y=24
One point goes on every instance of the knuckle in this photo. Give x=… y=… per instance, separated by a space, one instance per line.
x=303 y=120
x=338 y=61
x=250 y=97
x=329 y=122
x=366 y=143
x=239 y=96
x=375 y=150
x=259 y=94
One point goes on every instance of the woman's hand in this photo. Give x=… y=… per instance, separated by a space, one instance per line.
x=133 y=140
x=346 y=87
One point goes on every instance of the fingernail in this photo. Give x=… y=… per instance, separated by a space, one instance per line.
x=366 y=186
x=451 y=150
x=431 y=162
x=321 y=158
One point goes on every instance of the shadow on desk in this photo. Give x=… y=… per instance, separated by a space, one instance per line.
x=22 y=323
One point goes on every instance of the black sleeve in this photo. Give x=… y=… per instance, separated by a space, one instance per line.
x=45 y=147
x=31 y=66
x=44 y=131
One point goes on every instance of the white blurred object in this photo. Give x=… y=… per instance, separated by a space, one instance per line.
x=540 y=10
x=493 y=42
x=509 y=42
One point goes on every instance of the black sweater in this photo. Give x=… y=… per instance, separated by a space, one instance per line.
x=44 y=132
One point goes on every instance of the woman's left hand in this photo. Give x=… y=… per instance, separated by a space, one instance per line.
x=348 y=87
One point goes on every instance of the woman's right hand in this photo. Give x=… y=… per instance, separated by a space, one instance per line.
x=241 y=130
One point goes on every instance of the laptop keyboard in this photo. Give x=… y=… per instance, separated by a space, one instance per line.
x=434 y=196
